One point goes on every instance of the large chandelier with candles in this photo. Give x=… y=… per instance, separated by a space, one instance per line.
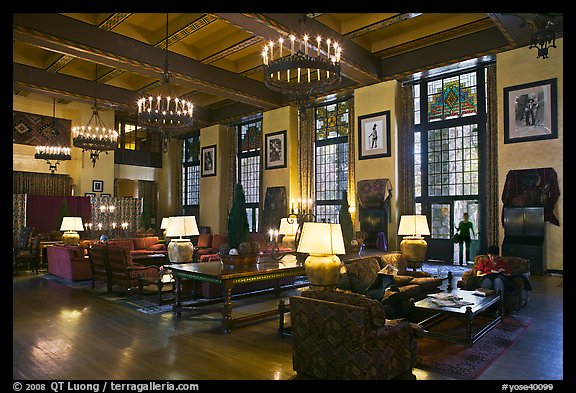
x=94 y=136
x=165 y=112
x=53 y=154
x=301 y=65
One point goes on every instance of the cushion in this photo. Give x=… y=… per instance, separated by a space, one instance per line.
x=401 y=293
x=344 y=282
x=377 y=287
x=427 y=284
x=157 y=247
x=205 y=240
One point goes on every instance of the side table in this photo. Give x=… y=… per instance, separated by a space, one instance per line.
x=160 y=282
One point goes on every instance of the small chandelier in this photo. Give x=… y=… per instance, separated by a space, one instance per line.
x=94 y=136
x=165 y=112
x=544 y=39
x=51 y=153
x=309 y=66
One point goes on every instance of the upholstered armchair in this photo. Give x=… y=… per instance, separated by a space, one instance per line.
x=342 y=335
x=517 y=295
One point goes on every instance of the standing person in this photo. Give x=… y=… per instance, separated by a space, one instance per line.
x=493 y=271
x=530 y=112
x=374 y=137
x=464 y=228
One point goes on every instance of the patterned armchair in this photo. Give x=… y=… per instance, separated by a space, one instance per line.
x=518 y=294
x=341 y=335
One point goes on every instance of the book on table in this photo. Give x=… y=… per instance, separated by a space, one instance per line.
x=484 y=292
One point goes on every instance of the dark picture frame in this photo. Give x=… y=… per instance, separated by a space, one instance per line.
x=275 y=150
x=89 y=194
x=105 y=195
x=374 y=135
x=208 y=161
x=97 y=185
x=531 y=111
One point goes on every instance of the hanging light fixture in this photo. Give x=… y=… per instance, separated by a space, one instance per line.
x=94 y=136
x=165 y=112
x=53 y=153
x=544 y=39
x=302 y=65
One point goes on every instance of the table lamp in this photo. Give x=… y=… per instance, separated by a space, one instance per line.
x=181 y=250
x=413 y=246
x=322 y=241
x=289 y=228
x=71 y=226
x=164 y=225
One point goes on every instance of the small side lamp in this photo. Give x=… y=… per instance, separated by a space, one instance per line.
x=164 y=225
x=71 y=226
x=322 y=241
x=181 y=250
x=413 y=246
x=289 y=228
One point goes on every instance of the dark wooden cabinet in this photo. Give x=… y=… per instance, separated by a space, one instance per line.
x=524 y=235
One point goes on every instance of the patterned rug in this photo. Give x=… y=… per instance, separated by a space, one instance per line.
x=468 y=362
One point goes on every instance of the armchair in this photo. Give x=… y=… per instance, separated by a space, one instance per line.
x=517 y=295
x=342 y=335
x=123 y=272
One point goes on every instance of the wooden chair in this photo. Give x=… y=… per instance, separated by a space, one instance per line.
x=22 y=242
x=124 y=273
x=99 y=264
x=29 y=257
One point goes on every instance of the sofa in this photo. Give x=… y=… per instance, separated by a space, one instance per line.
x=140 y=245
x=208 y=246
x=340 y=335
x=68 y=262
x=384 y=277
x=517 y=294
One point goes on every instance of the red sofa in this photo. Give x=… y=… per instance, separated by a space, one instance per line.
x=68 y=262
x=141 y=245
x=208 y=246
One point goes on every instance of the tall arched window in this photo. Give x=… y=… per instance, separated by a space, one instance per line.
x=249 y=168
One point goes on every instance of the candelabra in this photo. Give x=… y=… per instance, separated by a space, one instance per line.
x=300 y=212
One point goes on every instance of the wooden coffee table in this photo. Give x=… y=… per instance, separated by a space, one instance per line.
x=489 y=308
x=266 y=269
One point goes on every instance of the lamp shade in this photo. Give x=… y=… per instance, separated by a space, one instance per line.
x=72 y=224
x=288 y=227
x=164 y=223
x=320 y=238
x=413 y=225
x=182 y=226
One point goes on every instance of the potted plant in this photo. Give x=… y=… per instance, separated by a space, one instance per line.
x=239 y=250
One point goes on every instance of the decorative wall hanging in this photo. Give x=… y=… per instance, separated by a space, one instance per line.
x=38 y=130
x=374 y=135
x=276 y=150
x=530 y=112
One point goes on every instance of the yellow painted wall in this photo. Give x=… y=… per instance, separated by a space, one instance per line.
x=79 y=167
x=213 y=188
x=373 y=99
x=517 y=67
x=285 y=118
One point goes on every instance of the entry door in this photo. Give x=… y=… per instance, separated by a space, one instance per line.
x=440 y=246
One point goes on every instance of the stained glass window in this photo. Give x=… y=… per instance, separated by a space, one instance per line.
x=452 y=97
x=191 y=171
x=331 y=159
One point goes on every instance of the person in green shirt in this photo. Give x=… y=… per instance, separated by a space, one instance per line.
x=464 y=228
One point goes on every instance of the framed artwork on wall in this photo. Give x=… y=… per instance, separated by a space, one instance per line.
x=97 y=185
x=374 y=135
x=208 y=161
x=89 y=194
x=275 y=150
x=104 y=195
x=530 y=112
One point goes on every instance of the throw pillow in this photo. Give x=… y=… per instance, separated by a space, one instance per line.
x=377 y=287
x=157 y=247
x=400 y=281
x=357 y=284
x=344 y=282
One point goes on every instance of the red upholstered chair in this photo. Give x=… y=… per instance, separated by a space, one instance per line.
x=123 y=272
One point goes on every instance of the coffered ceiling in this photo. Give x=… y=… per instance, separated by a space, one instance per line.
x=215 y=58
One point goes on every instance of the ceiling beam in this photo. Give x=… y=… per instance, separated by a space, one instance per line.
x=67 y=36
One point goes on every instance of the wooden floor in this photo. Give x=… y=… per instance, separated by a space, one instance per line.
x=61 y=333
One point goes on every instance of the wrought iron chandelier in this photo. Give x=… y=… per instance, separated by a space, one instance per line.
x=53 y=153
x=94 y=136
x=165 y=112
x=305 y=66
x=544 y=39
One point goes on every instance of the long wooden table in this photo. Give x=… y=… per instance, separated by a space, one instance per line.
x=266 y=269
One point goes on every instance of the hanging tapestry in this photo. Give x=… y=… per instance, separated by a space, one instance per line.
x=532 y=187
x=38 y=130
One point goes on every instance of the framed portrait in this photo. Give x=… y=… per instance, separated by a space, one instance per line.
x=208 y=161
x=275 y=150
x=105 y=195
x=530 y=112
x=374 y=135
x=89 y=194
x=97 y=185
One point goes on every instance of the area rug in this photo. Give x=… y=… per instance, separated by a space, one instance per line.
x=459 y=361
